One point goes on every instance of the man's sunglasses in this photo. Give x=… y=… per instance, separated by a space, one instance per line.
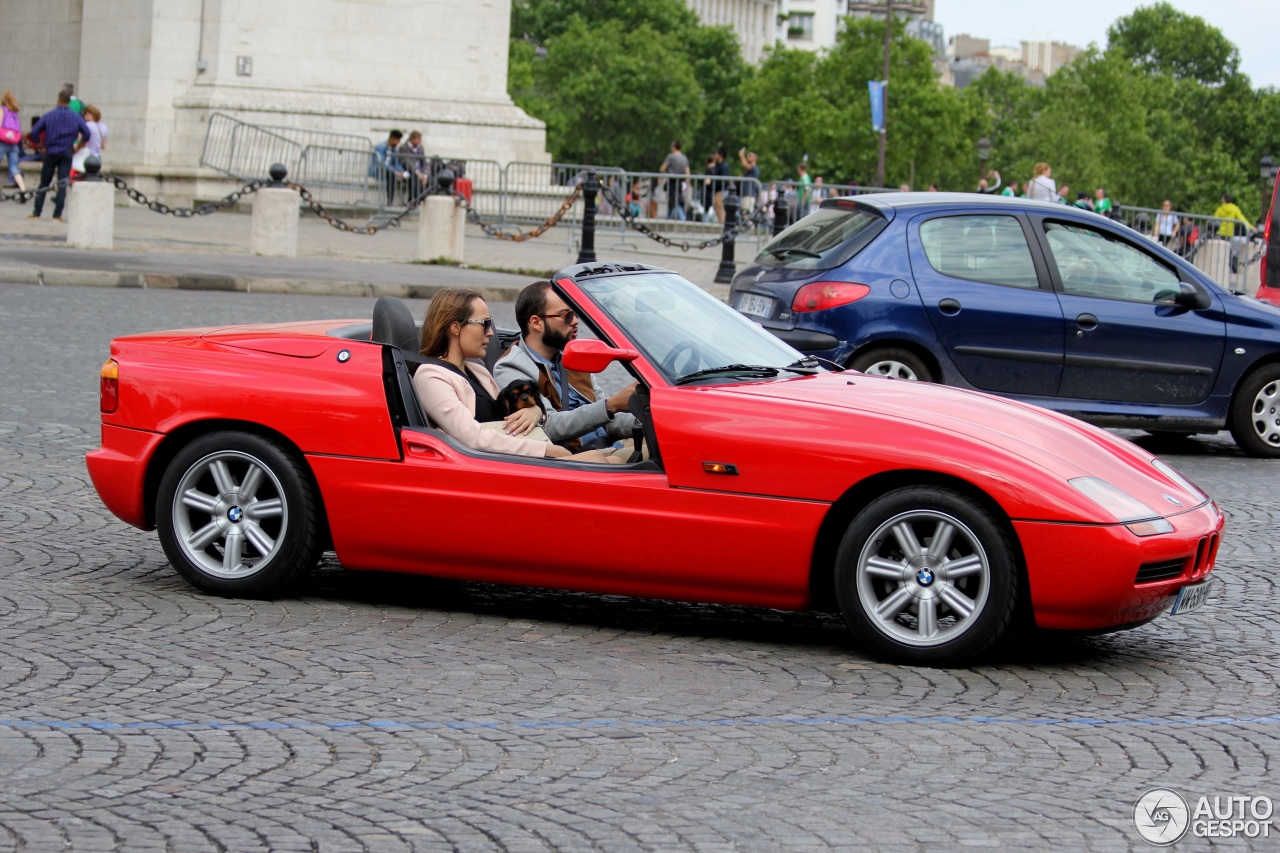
x=568 y=315
x=487 y=323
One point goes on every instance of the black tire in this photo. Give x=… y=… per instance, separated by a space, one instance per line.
x=257 y=507
x=1255 y=412
x=925 y=620
x=891 y=361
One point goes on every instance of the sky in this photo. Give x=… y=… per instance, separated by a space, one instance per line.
x=1253 y=26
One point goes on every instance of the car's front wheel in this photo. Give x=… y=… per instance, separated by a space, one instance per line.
x=891 y=361
x=239 y=515
x=926 y=575
x=1255 y=412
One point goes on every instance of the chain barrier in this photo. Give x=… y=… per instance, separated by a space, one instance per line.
x=520 y=236
x=184 y=212
x=24 y=196
x=373 y=227
x=743 y=224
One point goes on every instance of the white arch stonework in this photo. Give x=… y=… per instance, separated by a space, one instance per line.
x=158 y=68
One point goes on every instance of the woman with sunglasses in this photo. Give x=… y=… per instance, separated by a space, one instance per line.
x=458 y=393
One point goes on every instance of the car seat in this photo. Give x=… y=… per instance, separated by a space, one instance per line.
x=393 y=325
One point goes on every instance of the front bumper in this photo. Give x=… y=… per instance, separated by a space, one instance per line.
x=1084 y=577
x=118 y=470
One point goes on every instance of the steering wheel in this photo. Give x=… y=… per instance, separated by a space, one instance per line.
x=683 y=359
x=1083 y=271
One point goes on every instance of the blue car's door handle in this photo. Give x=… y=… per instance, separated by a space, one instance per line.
x=949 y=306
x=1087 y=322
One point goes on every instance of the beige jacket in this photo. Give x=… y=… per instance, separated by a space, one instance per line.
x=450 y=405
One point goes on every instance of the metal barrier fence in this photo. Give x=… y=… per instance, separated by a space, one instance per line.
x=1225 y=250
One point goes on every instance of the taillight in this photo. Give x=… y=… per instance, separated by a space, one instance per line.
x=109 y=387
x=821 y=295
x=1266 y=244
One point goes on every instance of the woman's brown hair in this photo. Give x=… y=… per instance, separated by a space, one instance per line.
x=9 y=101
x=1039 y=170
x=447 y=307
x=92 y=113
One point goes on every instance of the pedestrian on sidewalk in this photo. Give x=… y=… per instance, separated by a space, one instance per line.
x=11 y=137
x=413 y=160
x=1102 y=203
x=61 y=128
x=676 y=163
x=1042 y=186
x=93 y=146
x=750 y=186
x=386 y=162
x=721 y=170
x=1167 y=225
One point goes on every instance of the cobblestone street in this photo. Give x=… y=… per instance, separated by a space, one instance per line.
x=391 y=713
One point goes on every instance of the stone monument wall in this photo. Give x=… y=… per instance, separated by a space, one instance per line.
x=158 y=68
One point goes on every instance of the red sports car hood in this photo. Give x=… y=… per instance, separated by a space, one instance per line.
x=1052 y=442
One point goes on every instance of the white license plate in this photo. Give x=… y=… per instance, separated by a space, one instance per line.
x=1191 y=598
x=758 y=306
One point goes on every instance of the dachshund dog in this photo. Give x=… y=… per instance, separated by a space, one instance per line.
x=520 y=394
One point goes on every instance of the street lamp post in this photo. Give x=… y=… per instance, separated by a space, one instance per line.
x=984 y=151
x=889 y=7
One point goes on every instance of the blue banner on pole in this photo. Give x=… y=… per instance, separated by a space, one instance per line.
x=876 y=88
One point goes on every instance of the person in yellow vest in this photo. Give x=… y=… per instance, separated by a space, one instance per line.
x=1231 y=227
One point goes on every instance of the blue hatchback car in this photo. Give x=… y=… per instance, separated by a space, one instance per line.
x=1044 y=303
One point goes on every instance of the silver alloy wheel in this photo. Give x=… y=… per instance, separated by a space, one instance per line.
x=229 y=514
x=923 y=577
x=891 y=367
x=1266 y=413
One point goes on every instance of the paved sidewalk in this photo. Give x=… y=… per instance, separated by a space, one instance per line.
x=212 y=253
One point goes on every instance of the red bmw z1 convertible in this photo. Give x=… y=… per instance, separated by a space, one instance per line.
x=934 y=519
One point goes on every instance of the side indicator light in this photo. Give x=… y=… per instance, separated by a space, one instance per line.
x=109 y=387
x=720 y=468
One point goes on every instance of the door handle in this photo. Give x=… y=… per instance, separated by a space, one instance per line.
x=949 y=306
x=422 y=449
x=1088 y=322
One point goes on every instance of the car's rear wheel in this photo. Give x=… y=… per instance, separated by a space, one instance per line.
x=891 y=361
x=926 y=575
x=239 y=515
x=1255 y=412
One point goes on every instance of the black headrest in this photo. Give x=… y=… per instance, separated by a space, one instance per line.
x=393 y=324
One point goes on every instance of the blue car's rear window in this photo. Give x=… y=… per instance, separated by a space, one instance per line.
x=823 y=240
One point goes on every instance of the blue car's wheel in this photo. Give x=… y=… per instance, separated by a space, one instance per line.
x=925 y=575
x=1255 y=412
x=891 y=361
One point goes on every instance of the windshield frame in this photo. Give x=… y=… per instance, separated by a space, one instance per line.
x=680 y=313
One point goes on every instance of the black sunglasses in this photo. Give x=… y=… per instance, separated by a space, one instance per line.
x=568 y=315
x=487 y=323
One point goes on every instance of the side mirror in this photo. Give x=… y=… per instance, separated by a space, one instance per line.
x=593 y=356
x=1190 y=296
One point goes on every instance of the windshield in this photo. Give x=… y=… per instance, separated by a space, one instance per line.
x=823 y=240
x=682 y=329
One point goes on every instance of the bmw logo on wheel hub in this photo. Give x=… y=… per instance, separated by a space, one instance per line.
x=235 y=514
x=925 y=577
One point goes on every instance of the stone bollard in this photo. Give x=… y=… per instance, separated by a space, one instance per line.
x=275 y=218
x=724 y=275
x=442 y=225
x=590 y=188
x=91 y=211
x=779 y=216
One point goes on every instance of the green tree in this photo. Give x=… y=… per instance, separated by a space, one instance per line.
x=612 y=96
x=1161 y=39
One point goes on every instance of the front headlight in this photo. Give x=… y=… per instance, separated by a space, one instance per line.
x=1141 y=519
